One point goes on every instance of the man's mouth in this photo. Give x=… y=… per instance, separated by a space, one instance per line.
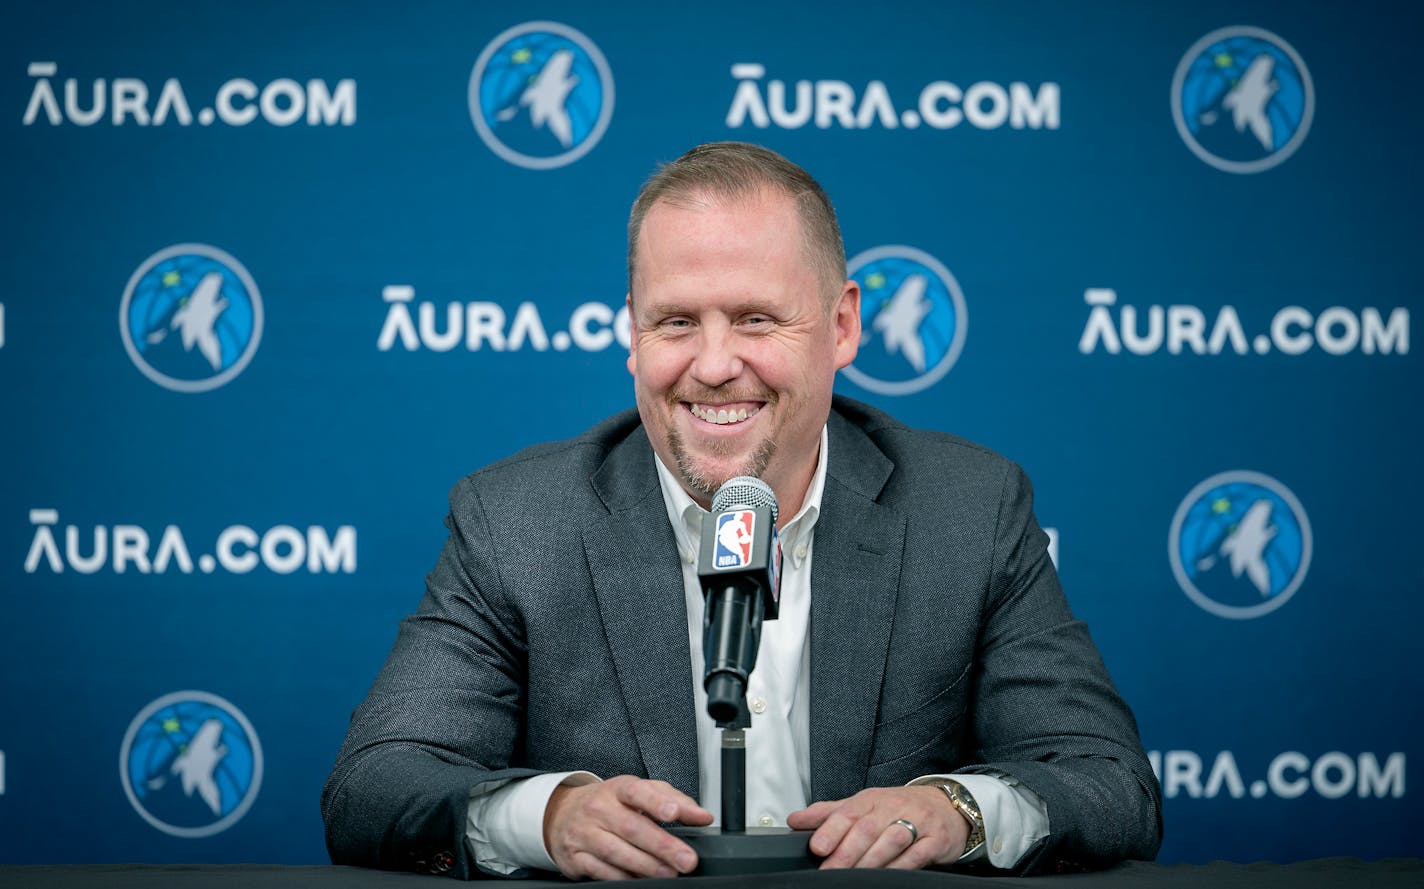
x=721 y=416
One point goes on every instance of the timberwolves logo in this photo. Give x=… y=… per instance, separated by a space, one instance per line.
x=1242 y=99
x=541 y=95
x=191 y=318
x=1240 y=544
x=912 y=320
x=191 y=764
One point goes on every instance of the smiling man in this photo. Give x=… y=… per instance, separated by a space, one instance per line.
x=925 y=698
x=736 y=339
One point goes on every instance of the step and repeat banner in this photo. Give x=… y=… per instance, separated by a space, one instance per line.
x=277 y=275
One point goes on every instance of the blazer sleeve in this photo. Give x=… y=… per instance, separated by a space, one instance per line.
x=441 y=719
x=1046 y=712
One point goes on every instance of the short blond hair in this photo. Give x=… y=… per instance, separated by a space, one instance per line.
x=732 y=171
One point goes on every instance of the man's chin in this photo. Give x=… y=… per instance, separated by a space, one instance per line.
x=704 y=476
x=699 y=478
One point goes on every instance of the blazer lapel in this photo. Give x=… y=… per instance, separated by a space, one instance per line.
x=632 y=556
x=855 y=579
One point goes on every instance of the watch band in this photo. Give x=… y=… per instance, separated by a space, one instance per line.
x=963 y=801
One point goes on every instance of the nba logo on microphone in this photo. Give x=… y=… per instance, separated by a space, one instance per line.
x=734 y=539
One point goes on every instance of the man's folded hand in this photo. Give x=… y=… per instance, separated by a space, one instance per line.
x=612 y=831
x=868 y=829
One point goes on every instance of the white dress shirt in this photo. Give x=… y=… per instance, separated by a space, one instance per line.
x=505 y=822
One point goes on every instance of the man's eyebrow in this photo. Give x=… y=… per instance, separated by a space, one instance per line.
x=746 y=306
x=666 y=308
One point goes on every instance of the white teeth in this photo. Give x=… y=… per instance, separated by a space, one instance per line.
x=722 y=416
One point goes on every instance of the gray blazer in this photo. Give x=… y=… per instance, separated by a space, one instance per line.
x=553 y=636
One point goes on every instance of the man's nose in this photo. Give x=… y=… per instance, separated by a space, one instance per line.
x=718 y=360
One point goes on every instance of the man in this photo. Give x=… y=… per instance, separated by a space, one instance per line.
x=926 y=690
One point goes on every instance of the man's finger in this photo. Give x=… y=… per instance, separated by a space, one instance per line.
x=922 y=853
x=586 y=864
x=662 y=802
x=829 y=835
x=856 y=839
x=894 y=841
x=651 y=839
x=811 y=817
x=625 y=853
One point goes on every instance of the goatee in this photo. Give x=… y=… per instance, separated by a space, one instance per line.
x=696 y=477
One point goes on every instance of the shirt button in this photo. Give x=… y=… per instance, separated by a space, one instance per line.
x=998 y=845
x=801 y=552
x=687 y=557
x=766 y=821
x=758 y=706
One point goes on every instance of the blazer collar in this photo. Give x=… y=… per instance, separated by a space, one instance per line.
x=855 y=580
x=632 y=557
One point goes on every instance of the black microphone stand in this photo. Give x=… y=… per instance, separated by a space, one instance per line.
x=734 y=771
x=735 y=848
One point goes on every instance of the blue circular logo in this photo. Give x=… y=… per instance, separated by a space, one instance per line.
x=1240 y=544
x=1242 y=99
x=541 y=95
x=191 y=764
x=912 y=319
x=191 y=318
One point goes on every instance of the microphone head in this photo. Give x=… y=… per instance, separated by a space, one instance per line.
x=748 y=492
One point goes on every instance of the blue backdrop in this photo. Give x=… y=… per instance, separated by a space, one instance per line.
x=277 y=276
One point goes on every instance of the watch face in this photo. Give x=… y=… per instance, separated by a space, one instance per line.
x=962 y=797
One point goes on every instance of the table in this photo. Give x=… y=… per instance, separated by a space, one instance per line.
x=1325 y=873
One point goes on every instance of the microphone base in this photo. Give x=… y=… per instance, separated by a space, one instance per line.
x=758 y=850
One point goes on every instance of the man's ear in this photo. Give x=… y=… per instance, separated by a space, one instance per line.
x=632 y=336
x=847 y=320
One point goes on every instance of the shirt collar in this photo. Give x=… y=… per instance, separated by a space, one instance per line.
x=686 y=516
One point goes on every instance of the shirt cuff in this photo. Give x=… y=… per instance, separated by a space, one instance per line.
x=1014 y=816
x=504 y=825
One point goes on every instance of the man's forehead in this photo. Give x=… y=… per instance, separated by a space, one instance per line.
x=753 y=222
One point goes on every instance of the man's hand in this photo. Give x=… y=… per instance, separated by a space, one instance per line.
x=610 y=831
x=861 y=831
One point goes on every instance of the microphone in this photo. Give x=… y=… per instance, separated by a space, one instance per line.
x=739 y=569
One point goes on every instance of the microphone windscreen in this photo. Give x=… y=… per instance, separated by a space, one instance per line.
x=745 y=491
